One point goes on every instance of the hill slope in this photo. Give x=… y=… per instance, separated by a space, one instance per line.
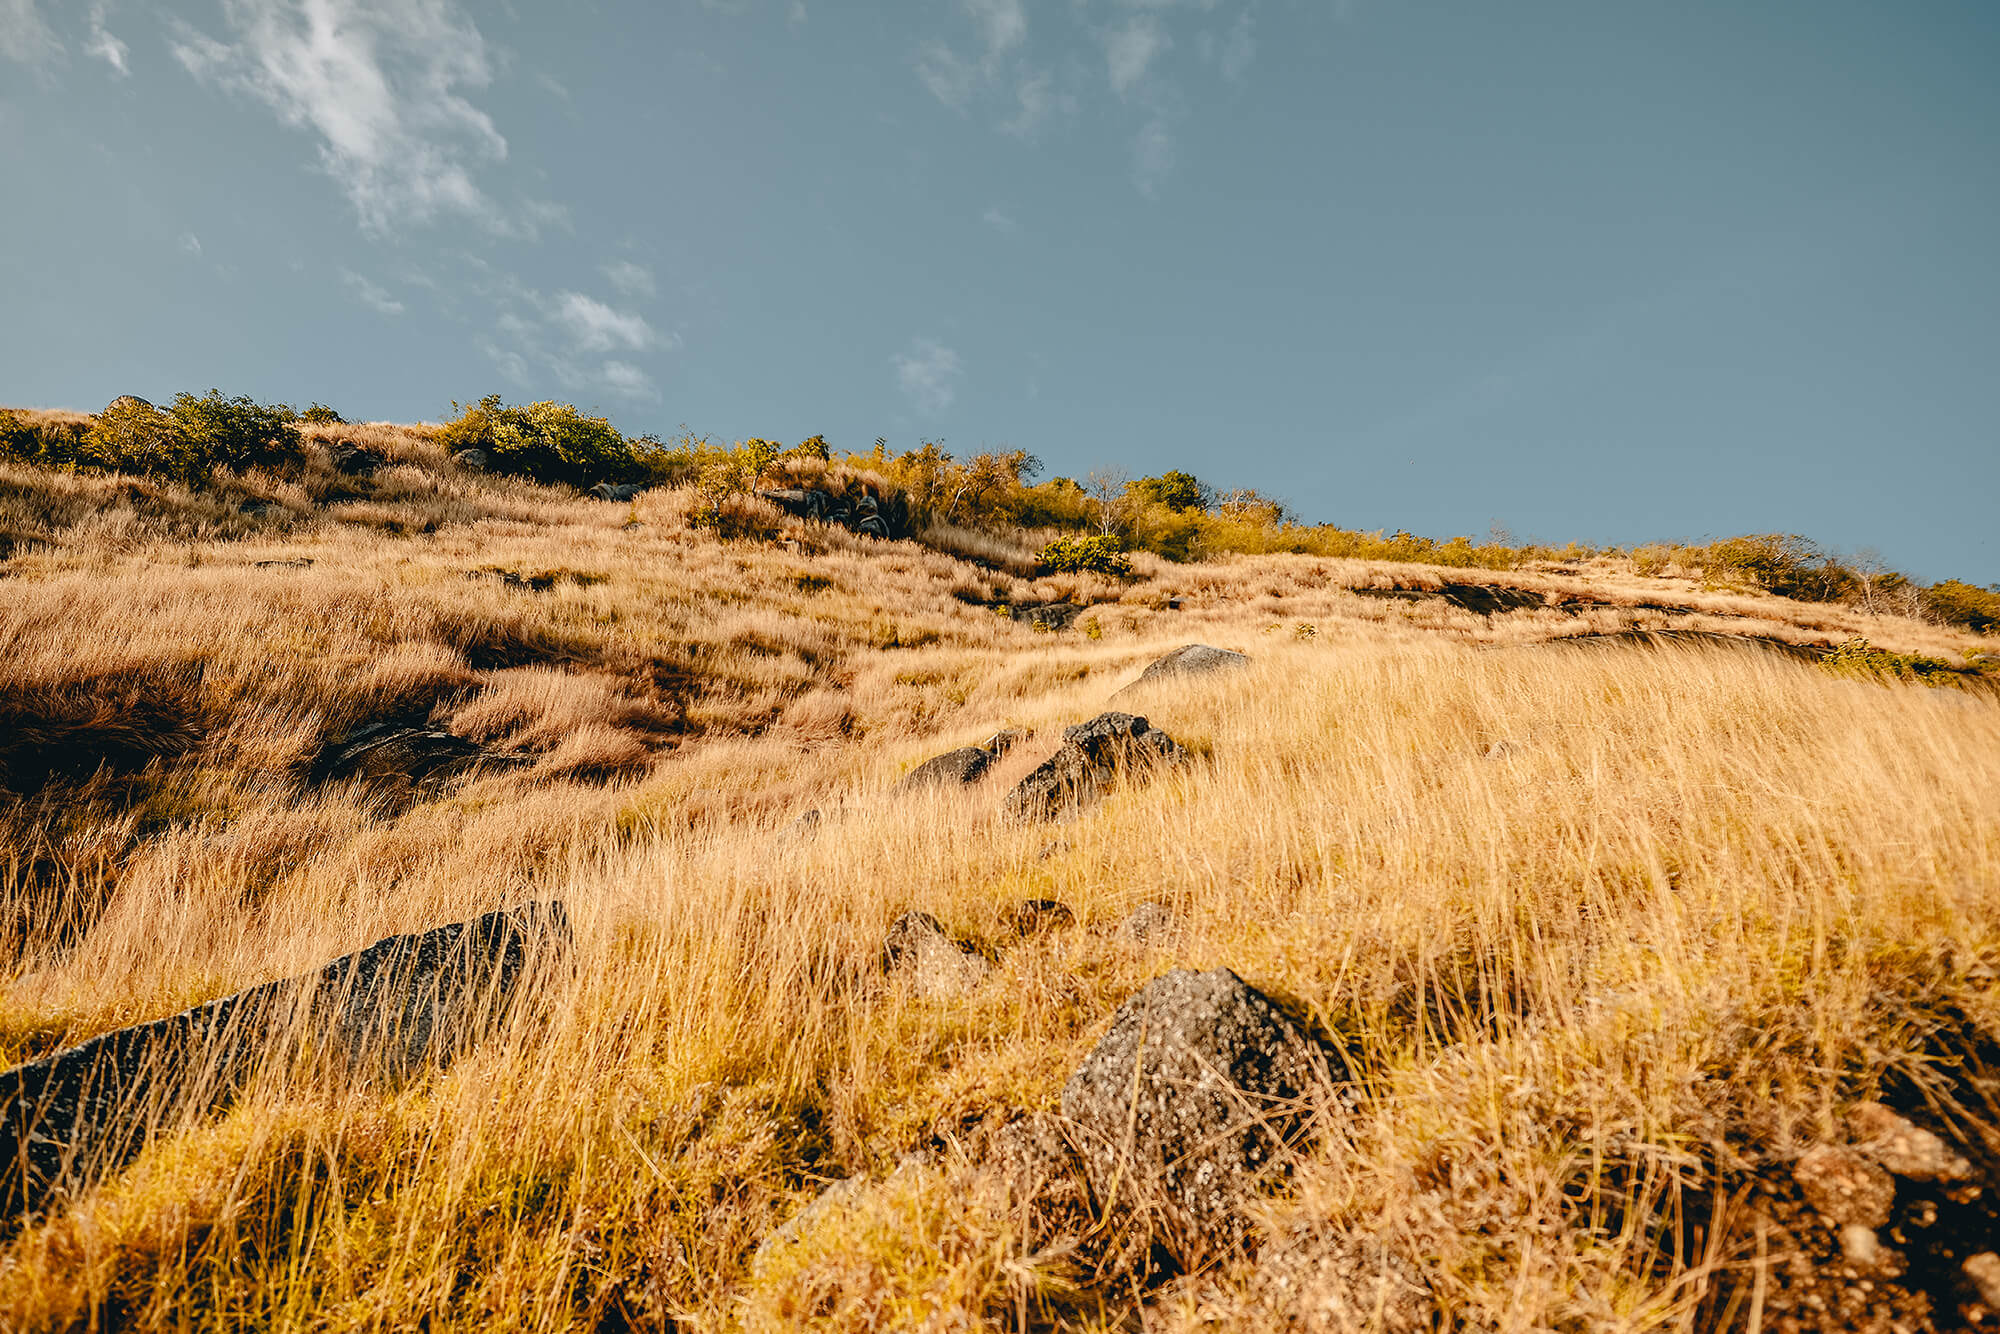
x=1609 y=929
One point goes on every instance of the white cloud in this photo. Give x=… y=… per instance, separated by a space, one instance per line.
x=382 y=85
x=1129 y=51
x=371 y=294
x=105 y=46
x=25 y=36
x=949 y=79
x=1038 y=100
x=190 y=244
x=595 y=327
x=622 y=377
x=629 y=278
x=797 y=13
x=999 y=222
x=1002 y=24
x=928 y=374
x=1153 y=156
x=1239 y=48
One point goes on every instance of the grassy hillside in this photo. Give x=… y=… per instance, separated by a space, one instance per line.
x=1616 y=891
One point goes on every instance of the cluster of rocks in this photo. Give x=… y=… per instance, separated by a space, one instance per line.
x=1900 y=1229
x=401 y=1005
x=1089 y=761
x=862 y=514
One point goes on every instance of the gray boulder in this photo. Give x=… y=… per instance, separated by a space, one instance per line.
x=128 y=401
x=1092 y=756
x=472 y=460
x=385 y=1012
x=954 y=768
x=1191 y=660
x=1189 y=1102
x=619 y=491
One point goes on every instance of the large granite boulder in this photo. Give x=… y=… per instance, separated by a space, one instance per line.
x=1190 y=1101
x=1191 y=660
x=1092 y=756
x=383 y=1013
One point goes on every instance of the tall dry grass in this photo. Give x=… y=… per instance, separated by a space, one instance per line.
x=1594 y=928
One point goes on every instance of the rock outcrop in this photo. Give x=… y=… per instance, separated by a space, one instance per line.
x=1092 y=756
x=404 y=760
x=1189 y=1102
x=619 y=491
x=862 y=513
x=353 y=460
x=385 y=1012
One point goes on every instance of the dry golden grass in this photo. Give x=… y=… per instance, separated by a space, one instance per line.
x=1591 y=924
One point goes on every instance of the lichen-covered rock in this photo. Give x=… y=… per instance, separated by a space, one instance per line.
x=1003 y=741
x=618 y=491
x=1905 y=1149
x=918 y=948
x=354 y=460
x=1322 y=1286
x=1092 y=756
x=472 y=460
x=384 y=1012
x=1190 y=1100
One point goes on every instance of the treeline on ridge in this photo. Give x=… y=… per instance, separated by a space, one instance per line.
x=1069 y=524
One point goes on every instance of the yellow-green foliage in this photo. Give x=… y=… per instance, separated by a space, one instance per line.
x=1858 y=657
x=1102 y=554
x=545 y=442
x=1958 y=603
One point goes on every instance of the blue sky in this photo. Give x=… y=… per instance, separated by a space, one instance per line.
x=1604 y=272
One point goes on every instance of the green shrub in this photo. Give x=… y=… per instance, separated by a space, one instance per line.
x=544 y=442
x=47 y=444
x=1103 y=554
x=321 y=415
x=213 y=431
x=1957 y=603
x=1858 y=657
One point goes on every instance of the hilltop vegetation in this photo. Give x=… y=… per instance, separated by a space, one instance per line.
x=1621 y=881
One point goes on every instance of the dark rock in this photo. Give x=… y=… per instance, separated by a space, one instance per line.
x=296 y=563
x=128 y=401
x=1192 y=660
x=1091 y=757
x=256 y=507
x=1189 y=1102
x=936 y=965
x=620 y=491
x=954 y=768
x=1034 y=916
x=472 y=460
x=404 y=1003
x=414 y=761
x=1045 y=615
x=353 y=460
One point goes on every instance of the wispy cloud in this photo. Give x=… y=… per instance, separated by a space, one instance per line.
x=999 y=222
x=1000 y=31
x=596 y=327
x=630 y=278
x=1238 y=49
x=190 y=244
x=928 y=374
x=1002 y=24
x=1153 y=156
x=105 y=46
x=1129 y=51
x=950 y=79
x=25 y=35
x=370 y=294
x=384 y=87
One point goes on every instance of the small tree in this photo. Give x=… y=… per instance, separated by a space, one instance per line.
x=1110 y=495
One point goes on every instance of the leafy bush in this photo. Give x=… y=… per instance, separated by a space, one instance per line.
x=321 y=415
x=1102 y=554
x=545 y=442
x=213 y=431
x=1958 y=603
x=1858 y=657
x=1782 y=563
x=1176 y=490
x=46 y=443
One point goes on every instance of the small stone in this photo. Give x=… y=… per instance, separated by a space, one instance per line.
x=937 y=966
x=1003 y=741
x=1147 y=922
x=955 y=768
x=1033 y=916
x=1904 y=1148
x=1983 y=1270
x=1845 y=1186
x=1860 y=1245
